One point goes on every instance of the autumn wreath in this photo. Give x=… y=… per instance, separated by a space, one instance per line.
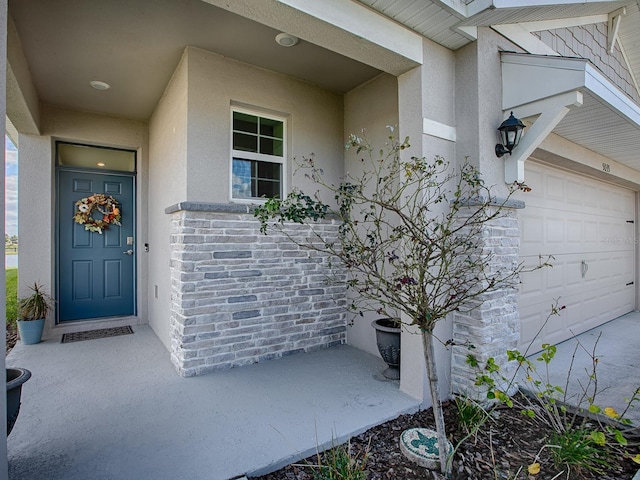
x=105 y=205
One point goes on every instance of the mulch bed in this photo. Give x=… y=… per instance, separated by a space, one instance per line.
x=12 y=337
x=505 y=445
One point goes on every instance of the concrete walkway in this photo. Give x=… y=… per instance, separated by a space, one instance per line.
x=114 y=408
x=618 y=368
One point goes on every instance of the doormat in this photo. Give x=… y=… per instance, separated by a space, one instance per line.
x=93 y=334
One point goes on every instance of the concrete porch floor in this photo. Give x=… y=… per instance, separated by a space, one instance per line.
x=115 y=408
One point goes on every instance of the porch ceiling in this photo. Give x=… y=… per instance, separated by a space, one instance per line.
x=135 y=45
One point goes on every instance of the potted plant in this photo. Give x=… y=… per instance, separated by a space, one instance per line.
x=388 y=342
x=32 y=312
x=15 y=378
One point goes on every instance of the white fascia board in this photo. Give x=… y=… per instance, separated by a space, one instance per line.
x=530 y=78
x=457 y=7
x=470 y=31
x=543 y=25
x=543 y=3
x=524 y=39
x=364 y=23
x=477 y=6
x=526 y=79
x=611 y=95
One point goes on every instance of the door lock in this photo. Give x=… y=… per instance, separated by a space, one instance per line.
x=128 y=252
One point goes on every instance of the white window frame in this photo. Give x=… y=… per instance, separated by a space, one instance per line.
x=260 y=157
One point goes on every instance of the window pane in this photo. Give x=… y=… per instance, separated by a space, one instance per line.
x=244 y=122
x=271 y=128
x=269 y=170
x=241 y=178
x=245 y=142
x=269 y=146
x=253 y=179
x=268 y=189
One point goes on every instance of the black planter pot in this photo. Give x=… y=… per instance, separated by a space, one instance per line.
x=388 y=340
x=15 y=378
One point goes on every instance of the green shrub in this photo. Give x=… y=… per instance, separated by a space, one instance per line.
x=11 y=275
x=340 y=463
x=578 y=449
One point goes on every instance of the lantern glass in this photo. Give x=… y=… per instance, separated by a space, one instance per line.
x=511 y=132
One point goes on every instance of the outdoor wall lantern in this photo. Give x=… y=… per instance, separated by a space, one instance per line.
x=510 y=134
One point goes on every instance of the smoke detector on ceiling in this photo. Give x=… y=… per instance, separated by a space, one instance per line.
x=286 y=40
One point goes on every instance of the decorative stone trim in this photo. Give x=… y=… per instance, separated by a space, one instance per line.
x=492 y=323
x=240 y=297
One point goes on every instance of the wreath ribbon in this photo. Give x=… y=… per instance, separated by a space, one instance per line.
x=106 y=205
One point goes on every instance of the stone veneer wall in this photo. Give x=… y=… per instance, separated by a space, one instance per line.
x=240 y=297
x=492 y=323
x=590 y=42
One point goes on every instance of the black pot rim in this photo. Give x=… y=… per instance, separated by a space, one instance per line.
x=20 y=379
x=385 y=328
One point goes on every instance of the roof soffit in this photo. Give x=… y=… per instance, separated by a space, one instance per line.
x=605 y=120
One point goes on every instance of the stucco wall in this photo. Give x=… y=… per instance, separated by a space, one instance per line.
x=479 y=104
x=370 y=107
x=190 y=145
x=167 y=185
x=314 y=117
x=37 y=181
x=427 y=92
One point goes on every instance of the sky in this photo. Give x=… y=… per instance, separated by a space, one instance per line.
x=11 y=188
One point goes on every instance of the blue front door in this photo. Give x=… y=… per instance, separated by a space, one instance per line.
x=96 y=272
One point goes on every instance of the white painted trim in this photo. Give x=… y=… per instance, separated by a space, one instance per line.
x=438 y=130
x=542 y=25
x=469 y=31
x=614 y=26
x=543 y=3
x=457 y=7
x=553 y=100
x=364 y=23
x=477 y=6
x=610 y=94
x=552 y=110
x=634 y=79
x=524 y=39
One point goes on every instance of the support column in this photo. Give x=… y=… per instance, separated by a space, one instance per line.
x=491 y=325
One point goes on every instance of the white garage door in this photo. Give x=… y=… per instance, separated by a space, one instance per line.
x=587 y=226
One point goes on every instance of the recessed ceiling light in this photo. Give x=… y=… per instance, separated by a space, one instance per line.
x=286 y=40
x=101 y=164
x=98 y=85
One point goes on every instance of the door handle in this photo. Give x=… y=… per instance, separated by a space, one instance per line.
x=128 y=252
x=585 y=268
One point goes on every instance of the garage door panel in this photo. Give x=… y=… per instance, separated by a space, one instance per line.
x=589 y=195
x=544 y=233
x=554 y=188
x=532 y=234
x=584 y=224
x=575 y=194
x=555 y=232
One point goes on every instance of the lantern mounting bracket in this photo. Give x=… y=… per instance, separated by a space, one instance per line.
x=549 y=111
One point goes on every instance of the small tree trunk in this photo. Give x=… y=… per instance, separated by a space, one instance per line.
x=432 y=374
